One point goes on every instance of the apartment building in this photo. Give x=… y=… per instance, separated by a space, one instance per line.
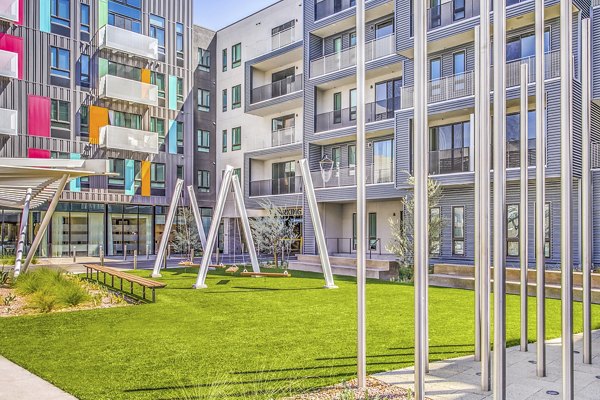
x=107 y=79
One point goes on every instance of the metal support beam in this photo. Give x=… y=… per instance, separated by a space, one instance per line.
x=586 y=189
x=499 y=381
x=164 y=240
x=361 y=197
x=22 y=233
x=476 y=138
x=566 y=188
x=309 y=191
x=197 y=216
x=241 y=208
x=540 y=188
x=45 y=222
x=524 y=206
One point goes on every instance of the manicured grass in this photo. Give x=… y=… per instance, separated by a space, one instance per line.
x=243 y=337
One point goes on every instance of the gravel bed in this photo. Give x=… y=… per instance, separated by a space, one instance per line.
x=376 y=390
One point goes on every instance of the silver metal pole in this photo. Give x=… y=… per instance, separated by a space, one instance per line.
x=566 y=187
x=499 y=381
x=586 y=189
x=124 y=252
x=197 y=216
x=241 y=207
x=540 y=189
x=22 y=233
x=135 y=255
x=164 y=240
x=45 y=222
x=147 y=252
x=74 y=250
x=361 y=197
x=309 y=191
x=101 y=253
x=421 y=171
x=476 y=138
x=524 y=207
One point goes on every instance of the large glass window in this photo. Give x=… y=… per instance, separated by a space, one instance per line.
x=458 y=231
x=203 y=181
x=236 y=138
x=522 y=46
x=157 y=176
x=157 y=31
x=224 y=60
x=236 y=96
x=158 y=125
x=60 y=12
x=125 y=14
x=513 y=139
x=180 y=137
x=512 y=230
x=236 y=55
x=547 y=230
x=435 y=69
x=204 y=59
x=203 y=141
x=158 y=79
x=383 y=155
x=449 y=148
x=117 y=167
x=126 y=120
x=85 y=18
x=384 y=29
x=84 y=121
x=60 y=62
x=84 y=70
x=125 y=71
x=224 y=100
x=224 y=141
x=387 y=100
x=179 y=90
x=458 y=63
x=203 y=100
x=60 y=114
x=179 y=39
x=337 y=108
x=283 y=177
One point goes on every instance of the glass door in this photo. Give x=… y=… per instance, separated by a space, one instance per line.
x=382 y=161
x=284 y=174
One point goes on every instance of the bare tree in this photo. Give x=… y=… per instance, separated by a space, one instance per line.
x=185 y=238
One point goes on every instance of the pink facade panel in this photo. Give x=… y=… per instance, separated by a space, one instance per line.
x=38 y=116
x=14 y=45
x=38 y=153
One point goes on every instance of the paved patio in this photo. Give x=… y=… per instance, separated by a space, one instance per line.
x=459 y=378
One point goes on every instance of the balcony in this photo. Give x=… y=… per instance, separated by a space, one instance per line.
x=9 y=64
x=124 y=41
x=8 y=122
x=9 y=10
x=283 y=38
x=377 y=111
x=275 y=187
x=116 y=137
x=118 y=88
x=450 y=12
x=276 y=89
x=375 y=49
x=341 y=177
x=325 y=8
x=283 y=137
x=450 y=161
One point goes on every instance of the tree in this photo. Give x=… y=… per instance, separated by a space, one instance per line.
x=273 y=233
x=185 y=238
x=402 y=231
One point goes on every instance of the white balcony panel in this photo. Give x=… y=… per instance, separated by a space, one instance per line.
x=8 y=122
x=115 y=87
x=126 y=41
x=9 y=10
x=9 y=64
x=283 y=38
x=116 y=137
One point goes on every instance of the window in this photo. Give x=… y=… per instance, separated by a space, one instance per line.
x=513 y=139
x=204 y=181
x=125 y=14
x=353 y=39
x=180 y=90
x=283 y=176
x=512 y=230
x=203 y=141
x=203 y=100
x=383 y=161
x=124 y=71
x=180 y=172
x=337 y=108
x=435 y=244
x=224 y=148
x=352 y=104
x=384 y=29
x=179 y=39
x=204 y=59
x=157 y=31
x=127 y=120
x=523 y=46
x=435 y=69
x=180 y=140
x=336 y=157
x=224 y=100
x=458 y=63
x=84 y=70
x=157 y=176
x=236 y=138
x=60 y=114
x=224 y=60
x=458 y=231
x=352 y=156
x=158 y=125
x=337 y=45
x=237 y=172
x=449 y=148
x=459 y=9
x=60 y=12
x=85 y=18
x=547 y=230
x=158 y=79
x=236 y=96
x=116 y=166
x=372 y=227
x=59 y=62
x=236 y=55
x=84 y=121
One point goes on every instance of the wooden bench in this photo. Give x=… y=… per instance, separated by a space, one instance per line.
x=267 y=274
x=123 y=276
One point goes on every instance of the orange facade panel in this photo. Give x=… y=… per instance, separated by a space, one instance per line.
x=146 y=75
x=98 y=119
x=146 y=178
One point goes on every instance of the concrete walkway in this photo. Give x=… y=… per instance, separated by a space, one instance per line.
x=17 y=383
x=459 y=378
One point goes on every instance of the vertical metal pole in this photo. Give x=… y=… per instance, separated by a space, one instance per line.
x=147 y=252
x=499 y=381
x=124 y=252
x=197 y=216
x=586 y=189
x=101 y=255
x=241 y=207
x=45 y=222
x=566 y=187
x=22 y=233
x=213 y=232
x=135 y=255
x=74 y=254
x=524 y=206
x=476 y=139
x=164 y=240
x=309 y=191
x=361 y=198
x=421 y=171
x=540 y=188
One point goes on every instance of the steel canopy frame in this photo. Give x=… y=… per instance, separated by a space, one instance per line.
x=162 y=248
x=197 y=216
x=22 y=233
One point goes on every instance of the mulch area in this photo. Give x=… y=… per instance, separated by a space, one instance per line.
x=376 y=390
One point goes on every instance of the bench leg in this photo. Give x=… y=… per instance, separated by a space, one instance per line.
x=153 y=295
x=144 y=292
x=98 y=275
x=121 y=279
x=131 y=288
x=105 y=278
x=112 y=280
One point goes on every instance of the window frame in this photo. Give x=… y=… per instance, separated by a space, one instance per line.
x=203 y=99
x=203 y=177
x=204 y=59
x=83 y=26
x=458 y=239
x=203 y=141
x=515 y=239
x=224 y=141
x=236 y=55
x=437 y=253
x=55 y=68
x=236 y=138
x=58 y=123
x=55 y=15
x=236 y=97
x=224 y=59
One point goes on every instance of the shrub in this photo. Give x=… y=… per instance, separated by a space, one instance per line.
x=43 y=301
x=9 y=299
x=73 y=295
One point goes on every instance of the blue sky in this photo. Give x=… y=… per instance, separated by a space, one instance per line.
x=216 y=14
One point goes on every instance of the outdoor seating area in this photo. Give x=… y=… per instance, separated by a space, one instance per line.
x=111 y=273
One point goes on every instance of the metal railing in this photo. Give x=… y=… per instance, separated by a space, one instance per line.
x=276 y=89
x=513 y=153
x=274 y=187
x=283 y=38
x=122 y=40
x=348 y=246
x=374 y=49
x=513 y=68
x=452 y=11
x=325 y=8
x=115 y=87
x=284 y=137
x=341 y=177
x=17 y=146
x=449 y=161
x=377 y=111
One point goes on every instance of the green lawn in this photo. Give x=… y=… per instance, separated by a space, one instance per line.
x=243 y=338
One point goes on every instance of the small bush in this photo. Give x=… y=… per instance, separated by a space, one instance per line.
x=406 y=273
x=9 y=299
x=73 y=295
x=43 y=301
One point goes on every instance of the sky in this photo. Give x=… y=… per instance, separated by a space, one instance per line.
x=217 y=14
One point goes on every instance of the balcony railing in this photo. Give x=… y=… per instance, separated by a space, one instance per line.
x=9 y=10
x=280 y=88
x=449 y=161
x=116 y=137
x=8 y=122
x=325 y=8
x=274 y=187
x=513 y=153
x=122 y=40
x=285 y=136
x=283 y=38
x=451 y=12
x=115 y=87
x=17 y=146
x=375 y=49
x=513 y=68
x=9 y=64
x=340 y=177
x=376 y=111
